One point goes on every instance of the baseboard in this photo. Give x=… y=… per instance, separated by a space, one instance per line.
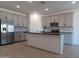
x=44 y=50
x=68 y=43
x=71 y=44
x=20 y=41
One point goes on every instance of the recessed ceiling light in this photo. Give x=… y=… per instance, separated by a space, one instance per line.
x=46 y=9
x=17 y=6
x=34 y=12
x=73 y=2
x=30 y=1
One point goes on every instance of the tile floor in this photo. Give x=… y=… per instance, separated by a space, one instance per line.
x=22 y=50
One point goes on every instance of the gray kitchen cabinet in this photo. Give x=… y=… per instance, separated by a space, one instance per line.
x=56 y=19
x=22 y=36
x=17 y=37
x=16 y=19
x=65 y=19
x=0 y=14
x=6 y=14
x=69 y=19
x=68 y=38
x=9 y=16
x=47 y=21
x=43 y=22
x=52 y=18
x=21 y=21
x=3 y=15
x=61 y=20
x=25 y=21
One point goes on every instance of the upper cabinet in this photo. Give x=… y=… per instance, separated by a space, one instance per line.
x=65 y=19
x=25 y=21
x=20 y=21
x=0 y=15
x=9 y=16
x=16 y=19
x=3 y=15
x=43 y=22
x=61 y=20
x=48 y=20
x=6 y=15
x=55 y=18
x=69 y=19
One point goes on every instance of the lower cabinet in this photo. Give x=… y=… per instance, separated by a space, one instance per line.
x=20 y=36
x=68 y=39
x=16 y=37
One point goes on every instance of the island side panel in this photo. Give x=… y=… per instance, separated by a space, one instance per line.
x=47 y=42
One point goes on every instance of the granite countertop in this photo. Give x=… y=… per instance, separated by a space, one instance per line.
x=45 y=33
x=66 y=32
x=40 y=32
x=49 y=33
x=63 y=30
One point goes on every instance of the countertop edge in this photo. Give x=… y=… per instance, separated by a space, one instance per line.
x=50 y=33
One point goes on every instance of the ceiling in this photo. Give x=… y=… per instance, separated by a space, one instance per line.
x=28 y=7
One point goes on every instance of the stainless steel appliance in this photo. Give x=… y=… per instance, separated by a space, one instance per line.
x=54 y=25
x=7 y=32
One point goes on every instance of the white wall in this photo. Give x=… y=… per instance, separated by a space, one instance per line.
x=35 y=22
x=76 y=27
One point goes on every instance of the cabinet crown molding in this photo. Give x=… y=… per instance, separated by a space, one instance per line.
x=6 y=10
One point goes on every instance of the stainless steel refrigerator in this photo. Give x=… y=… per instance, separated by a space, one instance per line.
x=7 y=32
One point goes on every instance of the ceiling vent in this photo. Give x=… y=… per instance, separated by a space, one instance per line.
x=42 y=2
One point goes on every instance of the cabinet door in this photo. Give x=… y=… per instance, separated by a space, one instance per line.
x=52 y=18
x=48 y=20
x=10 y=16
x=61 y=20
x=56 y=19
x=22 y=36
x=69 y=19
x=68 y=38
x=0 y=14
x=20 y=21
x=16 y=37
x=3 y=15
x=25 y=21
x=19 y=36
x=16 y=19
x=43 y=22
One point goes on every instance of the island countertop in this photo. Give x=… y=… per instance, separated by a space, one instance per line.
x=49 y=33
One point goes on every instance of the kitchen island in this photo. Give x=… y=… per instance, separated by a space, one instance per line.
x=53 y=42
x=46 y=41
